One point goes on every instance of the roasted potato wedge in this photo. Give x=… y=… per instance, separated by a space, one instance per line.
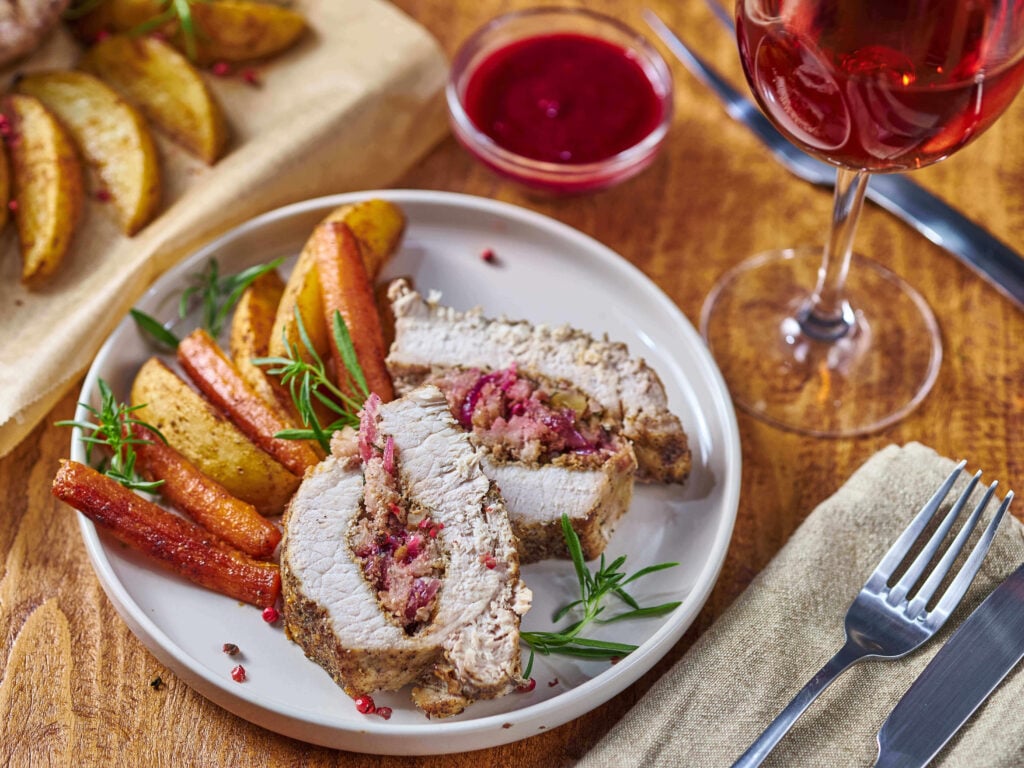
x=46 y=184
x=168 y=90
x=111 y=135
x=251 y=326
x=209 y=440
x=378 y=226
x=239 y=30
x=227 y=30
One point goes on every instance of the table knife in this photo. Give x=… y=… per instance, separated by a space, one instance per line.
x=958 y=679
x=988 y=256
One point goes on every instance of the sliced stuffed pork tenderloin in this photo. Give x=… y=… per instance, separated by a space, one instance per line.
x=399 y=564
x=565 y=421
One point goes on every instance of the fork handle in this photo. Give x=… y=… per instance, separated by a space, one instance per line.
x=848 y=655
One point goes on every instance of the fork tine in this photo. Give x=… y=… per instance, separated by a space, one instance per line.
x=877 y=580
x=963 y=579
x=916 y=568
x=924 y=594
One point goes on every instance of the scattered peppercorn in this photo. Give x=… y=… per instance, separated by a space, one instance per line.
x=488 y=255
x=157 y=683
x=552 y=683
x=251 y=77
x=238 y=674
x=528 y=686
x=230 y=649
x=384 y=712
x=489 y=562
x=364 y=705
x=12 y=205
x=270 y=614
x=220 y=68
x=103 y=195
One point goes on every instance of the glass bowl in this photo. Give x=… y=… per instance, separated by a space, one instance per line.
x=559 y=177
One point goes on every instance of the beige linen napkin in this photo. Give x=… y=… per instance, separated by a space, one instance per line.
x=737 y=677
x=352 y=106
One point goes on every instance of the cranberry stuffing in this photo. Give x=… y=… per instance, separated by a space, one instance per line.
x=238 y=674
x=270 y=614
x=365 y=706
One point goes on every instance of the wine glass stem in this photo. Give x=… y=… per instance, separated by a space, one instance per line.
x=827 y=315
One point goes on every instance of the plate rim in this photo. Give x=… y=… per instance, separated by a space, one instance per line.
x=267 y=713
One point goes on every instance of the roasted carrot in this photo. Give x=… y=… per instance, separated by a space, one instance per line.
x=202 y=498
x=347 y=289
x=175 y=542
x=218 y=378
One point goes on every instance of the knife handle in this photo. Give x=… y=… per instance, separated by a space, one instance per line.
x=848 y=655
x=992 y=259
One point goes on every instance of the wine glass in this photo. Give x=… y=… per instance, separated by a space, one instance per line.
x=820 y=340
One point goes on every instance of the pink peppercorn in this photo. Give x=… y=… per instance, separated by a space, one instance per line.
x=528 y=686
x=384 y=712
x=220 y=68
x=238 y=674
x=270 y=614
x=364 y=705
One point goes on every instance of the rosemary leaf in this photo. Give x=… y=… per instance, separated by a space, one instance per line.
x=609 y=578
x=153 y=328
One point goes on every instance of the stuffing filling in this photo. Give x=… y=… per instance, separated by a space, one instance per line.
x=520 y=419
x=394 y=541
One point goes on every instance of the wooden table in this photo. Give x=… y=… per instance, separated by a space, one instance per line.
x=75 y=683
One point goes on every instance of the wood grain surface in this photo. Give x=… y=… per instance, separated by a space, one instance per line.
x=75 y=683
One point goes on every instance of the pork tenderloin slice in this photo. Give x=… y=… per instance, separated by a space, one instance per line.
x=469 y=648
x=430 y=337
x=536 y=498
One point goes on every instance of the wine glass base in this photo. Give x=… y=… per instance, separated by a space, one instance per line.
x=862 y=382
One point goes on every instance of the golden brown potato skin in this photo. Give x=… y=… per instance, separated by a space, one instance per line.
x=209 y=440
x=46 y=184
x=165 y=87
x=111 y=135
x=227 y=30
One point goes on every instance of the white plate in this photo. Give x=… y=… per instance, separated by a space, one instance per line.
x=544 y=272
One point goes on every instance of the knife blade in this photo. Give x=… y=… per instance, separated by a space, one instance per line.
x=958 y=679
x=990 y=258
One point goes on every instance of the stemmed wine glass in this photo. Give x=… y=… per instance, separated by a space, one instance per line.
x=823 y=341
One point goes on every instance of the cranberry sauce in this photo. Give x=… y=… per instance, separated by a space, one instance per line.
x=563 y=98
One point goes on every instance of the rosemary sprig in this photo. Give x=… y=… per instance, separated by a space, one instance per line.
x=112 y=430
x=216 y=294
x=609 y=579
x=307 y=379
x=175 y=9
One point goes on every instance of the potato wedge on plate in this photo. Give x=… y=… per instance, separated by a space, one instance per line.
x=46 y=185
x=111 y=135
x=166 y=89
x=378 y=226
x=209 y=440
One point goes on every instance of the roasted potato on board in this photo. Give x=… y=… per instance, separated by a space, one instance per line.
x=209 y=440
x=227 y=30
x=46 y=184
x=165 y=87
x=111 y=135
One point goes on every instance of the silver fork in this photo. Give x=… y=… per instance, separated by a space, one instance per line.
x=882 y=623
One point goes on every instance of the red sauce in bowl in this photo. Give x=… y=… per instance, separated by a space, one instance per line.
x=563 y=98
